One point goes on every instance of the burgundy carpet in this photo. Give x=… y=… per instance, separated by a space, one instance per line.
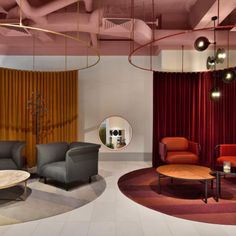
x=181 y=199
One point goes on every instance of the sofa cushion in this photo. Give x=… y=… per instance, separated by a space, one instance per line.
x=6 y=148
x=182 y=158
x=175 y=143
x=55 y=170
x=7 y=164
x=231 y=159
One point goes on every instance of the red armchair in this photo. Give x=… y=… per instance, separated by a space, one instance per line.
x=179 y=150
x=226 y=152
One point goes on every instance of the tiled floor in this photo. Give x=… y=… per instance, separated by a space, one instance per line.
x=114 y=214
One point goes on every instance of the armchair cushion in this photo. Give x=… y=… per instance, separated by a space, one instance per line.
x=55 y=170
x=175 y=143
x=7 y=164
x=181 y=157
x=231 y=159
x=227 y=150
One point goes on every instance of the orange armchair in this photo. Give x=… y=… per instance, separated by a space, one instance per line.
x=179 y=150
x=226 y=152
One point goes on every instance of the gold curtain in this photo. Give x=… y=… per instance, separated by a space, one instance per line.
x=56 y=92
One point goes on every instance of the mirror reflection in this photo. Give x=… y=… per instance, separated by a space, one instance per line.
x=115 y=132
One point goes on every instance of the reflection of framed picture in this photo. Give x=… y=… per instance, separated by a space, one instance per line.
x=115 y=132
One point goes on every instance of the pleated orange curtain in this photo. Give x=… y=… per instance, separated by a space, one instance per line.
x=55 y=93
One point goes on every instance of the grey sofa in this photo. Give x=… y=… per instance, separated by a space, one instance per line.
x=67 y=163
x=11 y=155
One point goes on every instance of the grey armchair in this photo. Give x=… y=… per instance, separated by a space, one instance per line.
x=11 y=155
x=67 y=163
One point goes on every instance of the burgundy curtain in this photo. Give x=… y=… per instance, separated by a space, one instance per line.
x=182 y=107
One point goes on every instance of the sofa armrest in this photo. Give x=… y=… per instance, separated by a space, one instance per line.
x=17 y=154
x=194 y=147
x=162 y=150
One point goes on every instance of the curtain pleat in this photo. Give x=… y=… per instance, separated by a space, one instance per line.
x=182 y=107
x=58 y=92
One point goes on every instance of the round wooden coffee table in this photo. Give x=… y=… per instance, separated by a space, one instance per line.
x=185 y=172
x=10 y=178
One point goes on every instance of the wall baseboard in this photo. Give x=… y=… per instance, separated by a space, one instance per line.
x=125 y=156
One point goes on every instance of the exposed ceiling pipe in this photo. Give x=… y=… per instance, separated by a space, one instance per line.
x=49 y=7
x=39 y=14
x=14 y=13
x=90 y=23
x=88 y=5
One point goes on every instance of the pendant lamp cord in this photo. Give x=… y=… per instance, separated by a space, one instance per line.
x=228 y=49
x=214 y=74
x=20 y=14
x=153 y=34
x=218 y=12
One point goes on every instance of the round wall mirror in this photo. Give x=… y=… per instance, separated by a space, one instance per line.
x=115 y=132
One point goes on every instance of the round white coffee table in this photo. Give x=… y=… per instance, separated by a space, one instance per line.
x=10 y=178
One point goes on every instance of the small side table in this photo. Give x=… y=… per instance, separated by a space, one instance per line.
x=219 y=172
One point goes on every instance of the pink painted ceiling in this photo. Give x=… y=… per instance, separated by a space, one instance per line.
x=113 y=27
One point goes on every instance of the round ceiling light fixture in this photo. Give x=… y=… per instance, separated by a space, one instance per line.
x=215 y=93
x=229 y=76
x=210 y=63
x=201 y=43
x=220 y=55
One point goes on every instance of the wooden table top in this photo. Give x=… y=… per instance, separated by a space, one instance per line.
x=184 y=171
x=10 y=178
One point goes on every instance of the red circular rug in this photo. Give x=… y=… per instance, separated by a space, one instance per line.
x=183 y=199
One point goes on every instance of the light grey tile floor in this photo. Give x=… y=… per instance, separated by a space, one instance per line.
x=114 y=214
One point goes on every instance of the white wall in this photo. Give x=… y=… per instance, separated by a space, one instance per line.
x=171 y=60
x=115 y=88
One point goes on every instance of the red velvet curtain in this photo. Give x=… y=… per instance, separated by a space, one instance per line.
x=182 y=107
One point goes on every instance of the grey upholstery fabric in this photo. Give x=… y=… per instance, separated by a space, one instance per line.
x=7 y=164
x=55 y=170
x=49 y=153
x=68 y=162
x=10 y=155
